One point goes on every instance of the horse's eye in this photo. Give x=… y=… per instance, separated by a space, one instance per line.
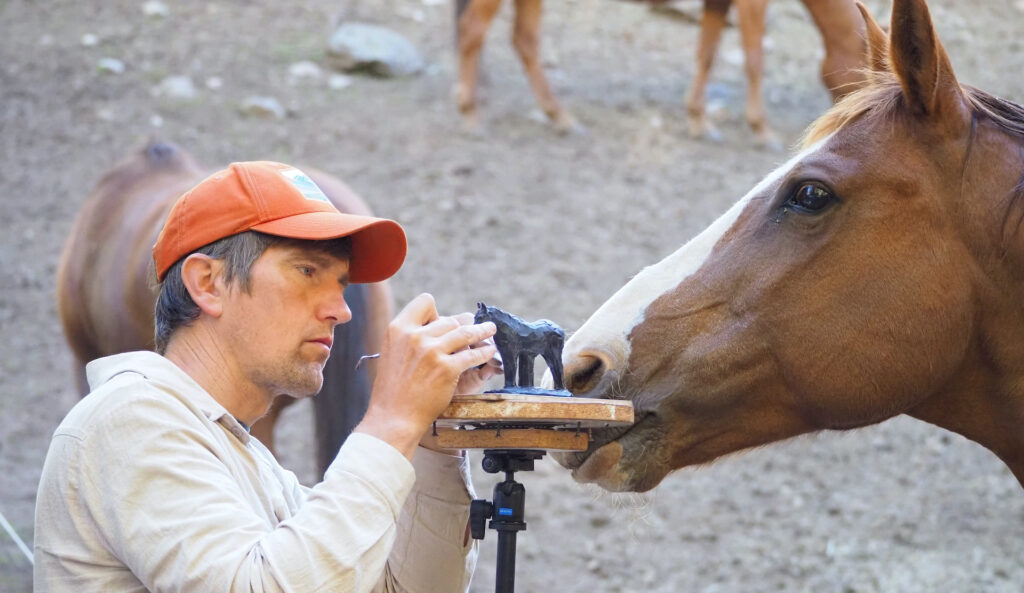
x=810 y=198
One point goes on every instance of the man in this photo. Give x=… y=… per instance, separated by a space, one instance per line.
x=152 y=482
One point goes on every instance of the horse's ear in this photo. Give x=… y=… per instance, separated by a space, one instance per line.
x=878 y=42
x=922 y=66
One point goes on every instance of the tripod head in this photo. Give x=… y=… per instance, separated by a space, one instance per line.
x=509 y=497
x=510 y=460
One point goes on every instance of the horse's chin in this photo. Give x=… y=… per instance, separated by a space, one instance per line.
x=602 y=467
x=611 y=461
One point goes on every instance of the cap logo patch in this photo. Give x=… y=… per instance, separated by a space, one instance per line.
x=305 y=185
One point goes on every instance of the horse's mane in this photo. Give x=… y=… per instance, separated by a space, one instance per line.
x=884 y=97
x=1010 y=117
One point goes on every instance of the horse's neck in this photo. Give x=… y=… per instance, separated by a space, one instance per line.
x=985 y=405
x=984 y=399
x=503 y=318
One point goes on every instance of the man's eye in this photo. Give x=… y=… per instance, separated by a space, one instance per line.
x=307 y=270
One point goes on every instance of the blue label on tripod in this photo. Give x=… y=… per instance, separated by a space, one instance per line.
x=506 y=512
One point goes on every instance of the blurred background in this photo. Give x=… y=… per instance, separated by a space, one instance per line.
x=538 y=223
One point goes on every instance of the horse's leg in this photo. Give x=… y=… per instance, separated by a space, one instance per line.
x=751 y=17
x=712 y=22
x=526 y=40
x=263 y=429
x=472 y=27
x=526 y=369
x=843 y=34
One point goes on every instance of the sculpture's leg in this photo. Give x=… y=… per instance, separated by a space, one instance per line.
x=526 y=369
x=554 y=360
x=509 y=361
x=472 y=28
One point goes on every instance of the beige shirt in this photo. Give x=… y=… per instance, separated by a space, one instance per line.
x=151 y=485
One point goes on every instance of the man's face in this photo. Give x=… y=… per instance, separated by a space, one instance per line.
x=281 y=332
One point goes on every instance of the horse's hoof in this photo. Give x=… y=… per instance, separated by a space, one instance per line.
x=568 y=126
x=705 y=132
x=472 y=128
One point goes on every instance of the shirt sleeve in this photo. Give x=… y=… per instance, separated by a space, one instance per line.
x=433 y=552
x=172 y=511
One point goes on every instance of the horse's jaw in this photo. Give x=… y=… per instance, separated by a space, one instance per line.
x=623 y=459
x=677 y=428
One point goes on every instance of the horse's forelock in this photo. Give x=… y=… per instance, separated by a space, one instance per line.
x=880 y=99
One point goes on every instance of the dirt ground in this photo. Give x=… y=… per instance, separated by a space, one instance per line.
x=541 y=225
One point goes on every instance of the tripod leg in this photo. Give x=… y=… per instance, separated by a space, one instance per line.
x=505 y=577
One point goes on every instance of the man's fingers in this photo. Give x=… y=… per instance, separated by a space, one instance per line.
x=419 y=312
x=469 y=358
x=487 y=371
x=441 y=326
x=466 y=336
x=493 y=362
x=464 y=318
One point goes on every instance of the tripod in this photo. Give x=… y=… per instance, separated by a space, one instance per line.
x=506 y=511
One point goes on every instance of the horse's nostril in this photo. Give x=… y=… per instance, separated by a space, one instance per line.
x=584 y=373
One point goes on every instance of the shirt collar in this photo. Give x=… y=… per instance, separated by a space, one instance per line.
x=159 y=369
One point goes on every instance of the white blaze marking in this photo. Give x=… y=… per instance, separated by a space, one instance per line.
x=607 y=329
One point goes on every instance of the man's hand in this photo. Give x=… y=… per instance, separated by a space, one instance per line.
x=472 y=380
x=421 y=362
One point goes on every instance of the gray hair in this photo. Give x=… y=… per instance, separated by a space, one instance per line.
x=175 y=307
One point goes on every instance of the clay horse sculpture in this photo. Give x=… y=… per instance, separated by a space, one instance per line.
x=519 y=343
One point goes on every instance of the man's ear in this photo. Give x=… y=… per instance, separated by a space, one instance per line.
x=204 y=280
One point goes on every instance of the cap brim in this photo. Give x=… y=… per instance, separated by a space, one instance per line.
x=378 y=244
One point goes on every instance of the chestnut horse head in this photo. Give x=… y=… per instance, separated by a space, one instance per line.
x=878 y=272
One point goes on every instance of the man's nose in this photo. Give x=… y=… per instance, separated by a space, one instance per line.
x=336 y=308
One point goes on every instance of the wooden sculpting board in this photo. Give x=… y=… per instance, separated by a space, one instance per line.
x=513 y=421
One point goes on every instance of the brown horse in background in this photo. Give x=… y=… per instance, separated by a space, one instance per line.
x=841 y=28
x=106 y=286
x=879 y=272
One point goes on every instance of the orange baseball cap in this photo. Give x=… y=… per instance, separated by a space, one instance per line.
x=281 y=200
